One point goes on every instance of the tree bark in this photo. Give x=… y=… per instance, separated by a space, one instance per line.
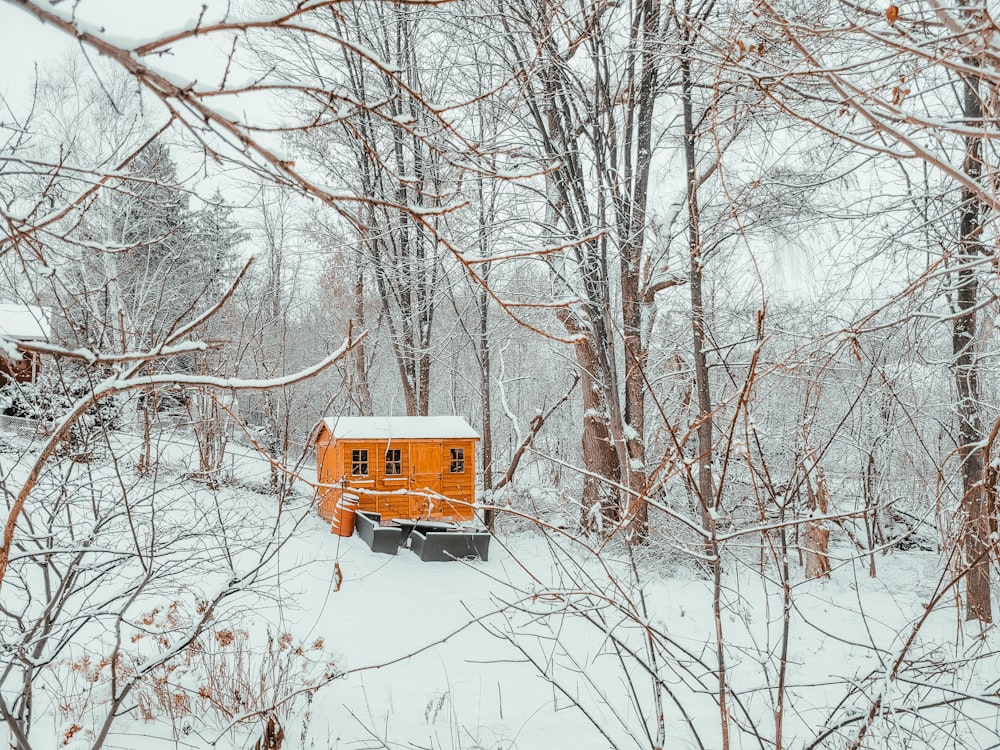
x=601 y=505
x=975 y=506
x=817 y=533
x=632 y=218
x=706 y=485
x=360 y=391
x=485 y=219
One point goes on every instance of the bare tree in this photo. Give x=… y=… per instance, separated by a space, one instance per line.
x=948 y=49
x=590 y=90
x=69 y=531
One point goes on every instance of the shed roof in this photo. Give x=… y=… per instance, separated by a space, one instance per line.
x=26 y=322
x=400 y=428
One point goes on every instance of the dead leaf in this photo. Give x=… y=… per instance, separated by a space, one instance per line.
x=892 y=13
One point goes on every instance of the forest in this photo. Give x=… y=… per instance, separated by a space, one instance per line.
x=715 y=281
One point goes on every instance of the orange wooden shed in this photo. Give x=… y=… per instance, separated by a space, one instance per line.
x=401 y=467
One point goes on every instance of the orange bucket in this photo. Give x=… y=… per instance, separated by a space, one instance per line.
x=343 y=515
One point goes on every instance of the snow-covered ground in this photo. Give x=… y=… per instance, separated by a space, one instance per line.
x=549 y=643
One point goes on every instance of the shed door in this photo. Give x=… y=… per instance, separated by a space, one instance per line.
x=425 y=468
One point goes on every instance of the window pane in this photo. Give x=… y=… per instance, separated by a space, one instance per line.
x=457 y=461
x=359 y=463
x=393 y=462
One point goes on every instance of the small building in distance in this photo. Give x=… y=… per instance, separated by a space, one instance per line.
x=404 y=467
x=20 y=324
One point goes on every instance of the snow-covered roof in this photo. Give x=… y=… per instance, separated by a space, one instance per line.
x=400 y=428
x=26 y=322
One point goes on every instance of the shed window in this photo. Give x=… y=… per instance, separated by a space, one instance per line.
x=457 y=461
x=393 y=462
x=359 y=463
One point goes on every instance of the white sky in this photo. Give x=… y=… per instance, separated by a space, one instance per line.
x=25 y=42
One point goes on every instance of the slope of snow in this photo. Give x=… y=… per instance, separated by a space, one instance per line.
x=550 y=643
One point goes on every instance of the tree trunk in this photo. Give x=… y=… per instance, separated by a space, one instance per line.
x=601 y=504
x=817 y=534
x=486 y=405
x=632 y=218
x=485 y=372
x=976 y=523
x=706 y=484
x=360 y=392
